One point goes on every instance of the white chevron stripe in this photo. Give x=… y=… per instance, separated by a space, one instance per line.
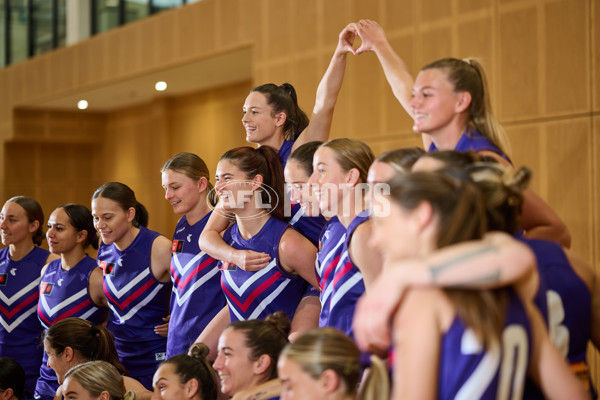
x=269 y=299
x=135 y=309
x=232 y=308
x=189 y=264
x=296 y=216
x=17 y=296
x=126 y=288
x=197 y=284
x=357 y=277
x=256 y=276
x=89 y=313
x=62 y=304
x=329 y=287
x=331 y=254
x=9 y=327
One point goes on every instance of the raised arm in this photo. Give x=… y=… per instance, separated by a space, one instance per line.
x=495 y=261
x=327 y=93
x=395 y=70
x=213 y=244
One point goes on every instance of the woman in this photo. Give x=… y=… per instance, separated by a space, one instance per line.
x=248 y=352
x=297 y=172
x=272 y=117
x=250 y=183
x=21 y=262
x=449 y=343
x=197 y=296
x=185 y=376
x=12 y=379
x=450 y=104
x=72 y=285
x=137 y=279
x=325 y=364
x=73 y=341
x=95 y=380
x=340 y=173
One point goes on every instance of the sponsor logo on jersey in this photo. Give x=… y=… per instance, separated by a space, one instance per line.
x=59 y=283
x=108 y=267
x=46 y=288
x=189 y=238
x=177 y=246
x=160 y=356
x=13 y=271
x=227 y=266
x=3 y=278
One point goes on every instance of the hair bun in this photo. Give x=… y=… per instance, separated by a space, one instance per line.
x=199 y=351
x=281 y=322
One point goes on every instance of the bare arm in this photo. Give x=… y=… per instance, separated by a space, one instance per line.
x=416 y=347
x=264 y=391
x=327 y=93
x=96 y=288
x=297 y=255
x=213 y=244
x=210 y=334
x=497 y=260
x=306 y=316
x=368 y=260
x=161 y=259
x=395 y=70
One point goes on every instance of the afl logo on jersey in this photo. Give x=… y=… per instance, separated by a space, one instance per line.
x=108 y=267
x=46 y=288
x=177 y=246
x=3 y=278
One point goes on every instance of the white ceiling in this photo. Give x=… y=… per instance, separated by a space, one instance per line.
x=193 y=77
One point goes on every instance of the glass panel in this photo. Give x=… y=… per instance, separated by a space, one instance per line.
x=135 y=9
x=42 y=26
x=2 y=34
x=107 y=15
x=62 y=23
x=18 y=30
x=162 y=5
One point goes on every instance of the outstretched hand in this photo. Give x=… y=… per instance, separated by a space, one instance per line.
x=371 y=35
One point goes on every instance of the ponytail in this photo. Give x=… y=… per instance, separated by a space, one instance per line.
x=125 y=197
x=283 y=98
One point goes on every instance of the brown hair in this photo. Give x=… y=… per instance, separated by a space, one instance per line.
x=93 y=342
x=194 y=168
x=401 y=160
x=125 y=197
x=460 y=208
x=196 y=366
x=34 y=212
x=267 y=336
x=262 y=161
x=469 y=76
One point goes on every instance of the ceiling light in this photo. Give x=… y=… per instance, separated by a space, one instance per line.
x=82 y=104
x=160 y=86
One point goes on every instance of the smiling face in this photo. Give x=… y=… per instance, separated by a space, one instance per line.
x=261 y=125
x=73 y=390
x=182 y=192
x=167 y=385
x=61 y=235
x=433 y=104
x=296 y=180
x=110 y=220
x=298 y=384
x=15 y=227
x=328 y=179
x=58 y=362
x=233 y=364
x=236 y=192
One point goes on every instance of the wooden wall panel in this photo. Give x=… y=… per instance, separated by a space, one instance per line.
x=595 y=54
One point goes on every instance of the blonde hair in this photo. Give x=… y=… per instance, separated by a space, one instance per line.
x=194 y=168
x=352 y=153
x=468 y=75
x=99 y=376
x=323 y=349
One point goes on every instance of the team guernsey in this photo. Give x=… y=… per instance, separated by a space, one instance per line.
x=20 y=328
x=473 y=141
x=309 y=227
x=64 y=294
x=255 y=295
x=346 y=285
x=469 y=371
x=197 y=296
x=138 y=303
x=568 y=301
x=329 y=256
